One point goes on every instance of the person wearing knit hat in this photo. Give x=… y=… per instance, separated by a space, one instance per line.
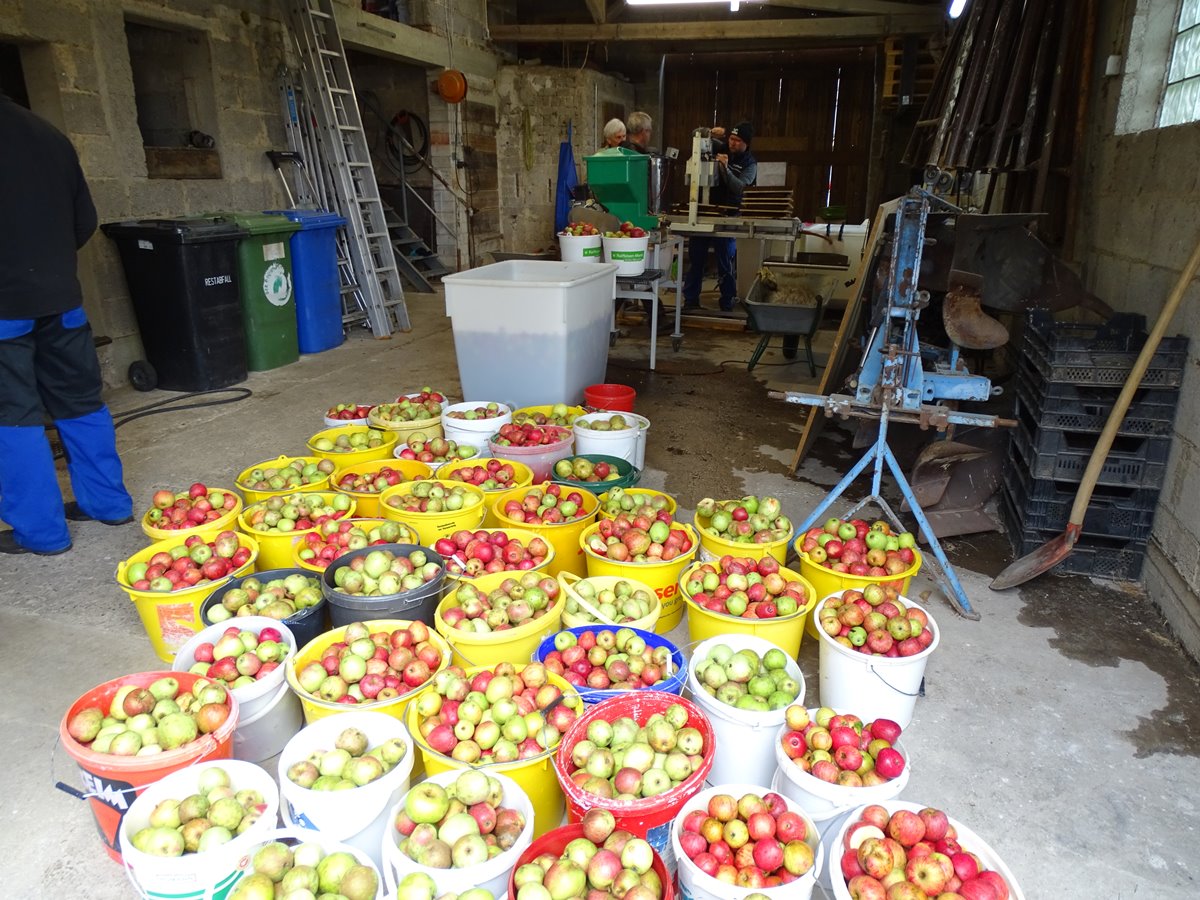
x=736 y=170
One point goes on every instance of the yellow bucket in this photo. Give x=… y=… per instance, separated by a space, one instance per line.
x=546 y=409
x=660 y=577
x=275 y=550
x=713 y=548
x=172 y=619
x=431 y=428
x=367 y=524
x=520 y=534
x=644 y=492
x=368 y=501
x=784 y=632
x=512 y=645
x=567 y=581
x=316 y=708
x=432 y=526
x=536 y=776
x=222 y=523
x=566 y=537
x=522 y=474
x=253 y=496
x=826 y=581
x=383 y=451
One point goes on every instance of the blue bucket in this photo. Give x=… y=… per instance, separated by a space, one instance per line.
x=672 y=685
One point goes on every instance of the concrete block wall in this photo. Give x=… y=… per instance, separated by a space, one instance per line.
x=1138 y=225
x=528 y=152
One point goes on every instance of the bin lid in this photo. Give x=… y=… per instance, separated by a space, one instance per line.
x=309 y=218
x=531 y=274
x=181 y=230
x=261 y=223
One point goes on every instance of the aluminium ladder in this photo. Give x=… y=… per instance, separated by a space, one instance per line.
x=344 y=151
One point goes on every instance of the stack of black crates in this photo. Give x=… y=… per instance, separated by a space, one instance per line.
x=1068 y=379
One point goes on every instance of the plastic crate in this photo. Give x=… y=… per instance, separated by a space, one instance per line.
x=1133 y=461
x=1072 y=353
x=1112 y=558
x=1112 y=511
x=1085 y=408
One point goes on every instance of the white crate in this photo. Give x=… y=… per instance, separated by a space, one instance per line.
x=528 y=332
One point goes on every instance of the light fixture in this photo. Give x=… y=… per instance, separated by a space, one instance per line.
x=733 y=4
x=956 y=8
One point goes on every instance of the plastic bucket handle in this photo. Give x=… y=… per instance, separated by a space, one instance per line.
x=874 y=671
x=570 y=588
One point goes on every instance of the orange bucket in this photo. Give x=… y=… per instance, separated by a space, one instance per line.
x=111 y=782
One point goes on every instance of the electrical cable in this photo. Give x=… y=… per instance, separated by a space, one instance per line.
x=165 y=406
x=719 y=370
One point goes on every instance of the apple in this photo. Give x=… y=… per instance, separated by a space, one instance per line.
x=349 y=412
x=422 y=405
x=752 y=835
x=621 y=603
x=638 y=539
x=367 y=667
x=546 y=504
x=191 y=563
x=745 y=680
x=371 y=482
x=746 y=588
x=529 y=435
x=608 y=663
x=332 y=539
x=517 y=601
x=197 y=507
x=288 y=475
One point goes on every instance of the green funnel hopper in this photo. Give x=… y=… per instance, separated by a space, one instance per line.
x=620 y=180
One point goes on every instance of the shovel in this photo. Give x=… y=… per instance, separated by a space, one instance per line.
x=1057 y=549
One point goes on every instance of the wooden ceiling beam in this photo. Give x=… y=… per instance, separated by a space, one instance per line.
x=858 y=7
x=833 y=27
x=599 y=10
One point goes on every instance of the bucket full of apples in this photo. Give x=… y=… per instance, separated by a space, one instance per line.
x=580 y=243
x=627 y=249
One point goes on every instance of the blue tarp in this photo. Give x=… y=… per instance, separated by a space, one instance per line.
x=567 y=181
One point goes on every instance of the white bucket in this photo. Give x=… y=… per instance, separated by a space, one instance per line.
x=265 y=733
x=828 y=823
x=743 y=737
x=293 y=837
x=492 y=875
x=345 y=815
x=830 y=804
x=196 y=876
x=252 y=698
x=473 y=432
x=971 y=843
x=875 y=687
x=579 y=248
x=695 y=885
x=628 y=444
x=628 y=253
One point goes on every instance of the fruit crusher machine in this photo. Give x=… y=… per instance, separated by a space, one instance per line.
x=902 y=380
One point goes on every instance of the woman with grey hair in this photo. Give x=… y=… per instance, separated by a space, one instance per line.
x=614 y=134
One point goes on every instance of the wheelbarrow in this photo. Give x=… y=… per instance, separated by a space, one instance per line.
x=786 y=300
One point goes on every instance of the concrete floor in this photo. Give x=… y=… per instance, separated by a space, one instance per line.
x=1064 y=727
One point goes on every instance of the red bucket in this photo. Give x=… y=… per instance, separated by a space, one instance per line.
x=649 y=818
x=555 y=841
x=611 y=397
x=112 y=782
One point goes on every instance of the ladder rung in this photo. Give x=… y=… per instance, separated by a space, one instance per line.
x=332 y=54
x=372 y=235
x=319 y=14
x=358 y=165
x=334 y=90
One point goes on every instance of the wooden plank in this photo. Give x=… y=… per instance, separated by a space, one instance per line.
x=862 y=7
x=839 y=27
x=361 y=30
x=846 y=329
x=182 y=162
x=599 y=10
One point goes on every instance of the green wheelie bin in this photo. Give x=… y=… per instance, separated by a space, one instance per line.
x=268 y=297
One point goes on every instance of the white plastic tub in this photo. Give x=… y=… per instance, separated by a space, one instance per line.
x=744 y=738
x=875 y=687
x=265 y=733
x=628 y=444
x=473 y=432
x=492 y=875
x=583 y=248
x=694 y=884
x=971 y=843
x=196 y=876
x=627 y=253
x=356 y=816
x=528 y=330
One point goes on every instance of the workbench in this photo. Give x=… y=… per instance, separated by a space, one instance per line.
x=647 y=285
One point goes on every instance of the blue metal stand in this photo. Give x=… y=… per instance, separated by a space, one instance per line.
x=881 y=454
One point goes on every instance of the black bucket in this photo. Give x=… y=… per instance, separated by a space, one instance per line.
x=417 y=605
x=305 y=625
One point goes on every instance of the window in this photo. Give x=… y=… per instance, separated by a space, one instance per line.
x=176 y=109
x=1181 y=97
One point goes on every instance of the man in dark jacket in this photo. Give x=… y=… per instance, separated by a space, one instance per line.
x=47 y=356
x=736 y=170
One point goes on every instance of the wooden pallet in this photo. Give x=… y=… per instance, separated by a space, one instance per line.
x=924 y=69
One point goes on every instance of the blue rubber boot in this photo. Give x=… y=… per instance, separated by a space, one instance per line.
x=30 y=500
x=96 y=475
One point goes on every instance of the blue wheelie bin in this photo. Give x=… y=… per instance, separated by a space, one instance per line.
x=315 y=278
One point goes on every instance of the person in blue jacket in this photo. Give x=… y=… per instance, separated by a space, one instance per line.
x=736 y=170
x=48 y=360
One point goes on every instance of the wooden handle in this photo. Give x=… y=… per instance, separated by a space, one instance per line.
x=1132 y=383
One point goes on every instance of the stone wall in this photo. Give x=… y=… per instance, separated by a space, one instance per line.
x=528 y=150
x=1138 y=227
